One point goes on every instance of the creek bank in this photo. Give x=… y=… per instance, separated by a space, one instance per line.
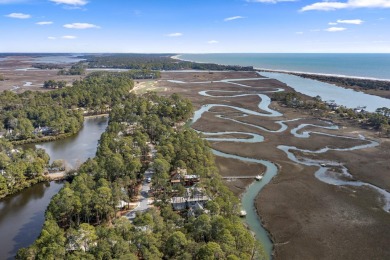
x=52 y=138
x=22 y=214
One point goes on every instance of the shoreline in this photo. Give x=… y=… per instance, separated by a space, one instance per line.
x=299 y=73
x=97 y=115
x=367 y=85
x=177 y=57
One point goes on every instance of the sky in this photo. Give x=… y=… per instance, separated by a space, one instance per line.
x=195 y=26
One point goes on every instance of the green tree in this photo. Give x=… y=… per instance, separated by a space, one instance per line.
x=176 y=244
x=210 y=251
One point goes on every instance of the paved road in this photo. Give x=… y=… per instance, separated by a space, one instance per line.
x=144 y=201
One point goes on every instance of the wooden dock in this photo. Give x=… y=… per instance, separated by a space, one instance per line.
x=238 y=177
x=56 y=176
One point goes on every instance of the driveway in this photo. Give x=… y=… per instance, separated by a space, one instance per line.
x=144 y=201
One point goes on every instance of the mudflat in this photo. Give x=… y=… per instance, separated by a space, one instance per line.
x=20 y=76
x=307 y=218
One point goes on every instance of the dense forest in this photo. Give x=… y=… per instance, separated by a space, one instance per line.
x=82 y=221
x=152 y=62
x=20 y=168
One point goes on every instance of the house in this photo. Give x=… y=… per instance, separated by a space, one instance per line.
x=196 y=210
x=190 y=180
x=179 y=203
x=176 y=179
x=192 y=197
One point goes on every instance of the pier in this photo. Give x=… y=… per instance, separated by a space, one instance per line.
x=239 y=177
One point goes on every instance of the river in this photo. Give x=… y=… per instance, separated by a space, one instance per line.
x=22 y=215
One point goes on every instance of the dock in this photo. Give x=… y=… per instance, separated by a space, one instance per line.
x=56 y=176
x=238 y=177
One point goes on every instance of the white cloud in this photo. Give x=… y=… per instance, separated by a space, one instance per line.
x=299 y=33
x=355 y=21
x=233 y=18
x=68 y=37
x=270 y=1
x=174 y=34
x=213 y=42
x=80 y=26
x=333 y=5
x=70 y=2
x=332 y=23
x=335 y=29
x=52 y=38
x=44 y=23
x=18 y=15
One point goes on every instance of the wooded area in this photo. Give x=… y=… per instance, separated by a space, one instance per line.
x=81 y=221
x=153 y=62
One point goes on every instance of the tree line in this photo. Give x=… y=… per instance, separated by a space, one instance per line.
x=77 y=69
x=349 y=82
x=20 y=168
x=153 y=62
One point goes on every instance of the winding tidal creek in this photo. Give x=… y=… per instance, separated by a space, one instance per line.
x=322 y=174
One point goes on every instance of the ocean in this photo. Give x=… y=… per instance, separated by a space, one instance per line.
x=353 y=65
x=376 y=66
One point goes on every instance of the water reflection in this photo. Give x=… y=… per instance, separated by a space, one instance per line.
x=22 y=215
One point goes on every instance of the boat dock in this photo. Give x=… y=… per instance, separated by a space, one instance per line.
x=238 y=177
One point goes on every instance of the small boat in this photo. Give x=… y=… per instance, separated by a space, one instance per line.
x=323 y=164
x=242 y=213
x=258 y=177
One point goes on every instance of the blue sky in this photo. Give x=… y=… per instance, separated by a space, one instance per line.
x=194 y=26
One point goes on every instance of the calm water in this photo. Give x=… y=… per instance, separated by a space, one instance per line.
x=22 y=215
x=357 y=65
x=57 y=59
x=77 y=149
x=342 y=96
